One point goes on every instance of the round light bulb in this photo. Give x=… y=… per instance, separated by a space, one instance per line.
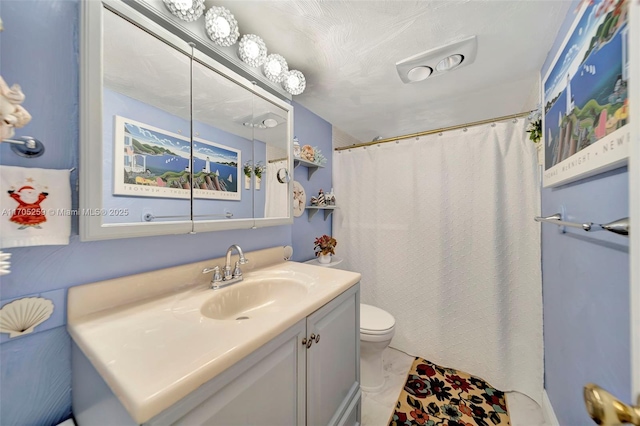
x=187 y=10
x=183 y=4
x=274 y=67
x=222 y=26
x=419 y=73
x=251 y=49
x=449 y=63
x=293 y=81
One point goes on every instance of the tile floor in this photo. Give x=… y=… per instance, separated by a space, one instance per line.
x=377 y=407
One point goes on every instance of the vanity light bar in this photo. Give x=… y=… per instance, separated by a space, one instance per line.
x=222 y=28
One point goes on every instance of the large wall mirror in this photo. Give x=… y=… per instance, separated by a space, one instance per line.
x=171 y=141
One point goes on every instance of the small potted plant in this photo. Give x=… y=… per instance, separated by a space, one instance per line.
x=535 y=130
x=248 y=170
x=324 y=248
x=258 y=170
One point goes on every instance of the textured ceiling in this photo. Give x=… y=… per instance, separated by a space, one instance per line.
x=348 y=50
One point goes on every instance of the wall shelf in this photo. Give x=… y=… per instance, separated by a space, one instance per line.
x=334 y=262
x=328 y=210
x=312 y=167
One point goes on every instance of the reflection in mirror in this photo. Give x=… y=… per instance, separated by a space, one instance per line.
x=146 y=141
x=222 y=146
x=166 y=133
x=271 y=140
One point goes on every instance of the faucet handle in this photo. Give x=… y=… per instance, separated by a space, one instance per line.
x=243 y=260
x=216 y=273
x=236 y=270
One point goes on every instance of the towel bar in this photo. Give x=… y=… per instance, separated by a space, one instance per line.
x=26 y=146
x=620 y=226
x=148 y=217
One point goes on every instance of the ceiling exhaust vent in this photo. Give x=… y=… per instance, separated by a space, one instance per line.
x=438 y=61
x=264 y=121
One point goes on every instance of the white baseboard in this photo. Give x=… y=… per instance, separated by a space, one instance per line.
x=547 y=410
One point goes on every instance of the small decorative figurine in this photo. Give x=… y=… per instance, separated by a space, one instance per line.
x=322 y=201
x=296 y=147
x=331 y=199
x=307 y=153
x=313 y=201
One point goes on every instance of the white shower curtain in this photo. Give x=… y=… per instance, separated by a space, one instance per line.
x=442 y=231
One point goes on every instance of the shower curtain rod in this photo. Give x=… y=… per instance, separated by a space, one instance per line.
x=431 y=132
x=278 y=159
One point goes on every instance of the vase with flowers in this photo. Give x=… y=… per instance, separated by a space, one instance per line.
x=324 y=248
x=248 y=170
x=258 y=170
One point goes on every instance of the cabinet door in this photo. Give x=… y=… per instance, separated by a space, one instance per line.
x=134 y=128
x=267 y=392
x=221 y=145
x=333 y=360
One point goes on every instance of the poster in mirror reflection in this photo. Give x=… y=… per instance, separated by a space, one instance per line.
x=153 y=162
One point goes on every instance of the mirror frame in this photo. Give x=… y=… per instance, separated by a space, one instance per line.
x=91 y=99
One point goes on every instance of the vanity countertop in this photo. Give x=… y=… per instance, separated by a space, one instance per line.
x=153 y=352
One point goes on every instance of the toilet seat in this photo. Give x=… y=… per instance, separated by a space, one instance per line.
x=375 y=321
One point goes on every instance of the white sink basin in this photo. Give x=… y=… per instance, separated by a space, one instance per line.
x=253 y=298
x=154 y=342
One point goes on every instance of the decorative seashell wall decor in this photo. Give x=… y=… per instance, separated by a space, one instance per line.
x=5 y=263
x=12 y=114
x=23 y=315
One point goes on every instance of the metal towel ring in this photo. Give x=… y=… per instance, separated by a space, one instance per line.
x=283 y=176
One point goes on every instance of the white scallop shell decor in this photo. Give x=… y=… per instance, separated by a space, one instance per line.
x=23 y=315
x=5 y=263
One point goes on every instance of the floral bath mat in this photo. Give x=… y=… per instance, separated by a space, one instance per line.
x=434 y=395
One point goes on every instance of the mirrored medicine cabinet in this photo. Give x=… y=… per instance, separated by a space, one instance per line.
x=171 y=140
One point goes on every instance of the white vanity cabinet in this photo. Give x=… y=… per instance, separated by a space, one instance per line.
x=307 y=375
x=333 y=361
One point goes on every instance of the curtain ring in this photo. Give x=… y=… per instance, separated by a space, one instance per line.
x=465 y=129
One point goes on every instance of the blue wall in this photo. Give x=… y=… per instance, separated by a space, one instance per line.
x=312 y=130
x=585 y=288
x=35 y=369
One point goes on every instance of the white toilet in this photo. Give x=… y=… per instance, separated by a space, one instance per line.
x=377 y=328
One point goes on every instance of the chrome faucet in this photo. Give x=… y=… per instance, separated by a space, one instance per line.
x=227 y=277
x=237 y=273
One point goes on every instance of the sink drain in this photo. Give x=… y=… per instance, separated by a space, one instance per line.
x=241 y=318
